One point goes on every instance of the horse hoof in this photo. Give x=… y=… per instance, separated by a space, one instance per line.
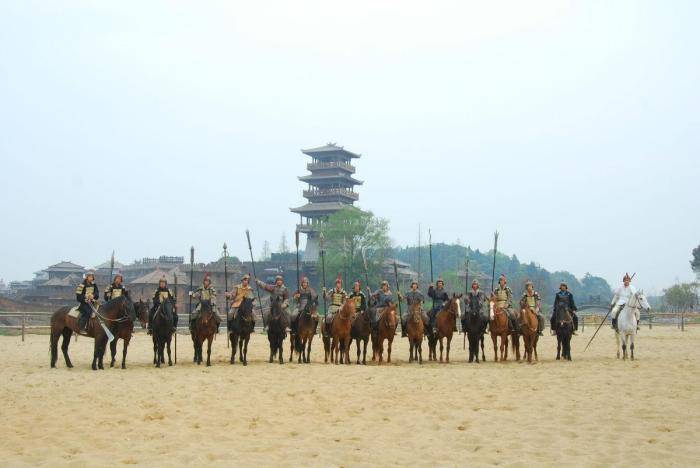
x=245 y=363
x=123 y=366
x=208 y=364
x=111 y=364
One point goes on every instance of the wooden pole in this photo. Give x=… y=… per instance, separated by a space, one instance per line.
x=24 y=321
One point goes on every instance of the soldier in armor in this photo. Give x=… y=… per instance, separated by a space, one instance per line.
x=504 y=300
x=161 y=294
x=304 y=296
x=440 y=297
x=565 y=296
x=206 y=292
x=531 y=300
x=474 y=301
x=337 y=296
x=116 y=289
x=277 y=291
x=86 y=294
x=412 y=297
x=241 y=291
x=359 y=297
x=622 y=295
x=379 y=299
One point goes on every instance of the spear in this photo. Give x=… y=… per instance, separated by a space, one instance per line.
x=419 y=279
x=175 y=282
x=495 y=249
x=323 y=271
x=296 y=241
x=430 y=251
x=601 y=324
x=252 y=262
x=226 y=282
x=398 y=293
x=364 y=264
x=111 y=268
x=189 y=313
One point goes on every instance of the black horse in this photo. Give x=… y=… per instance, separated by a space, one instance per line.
x=564 y=327
x=277 y=324
x=474 y=325
x=240 y=328
x=162 y=329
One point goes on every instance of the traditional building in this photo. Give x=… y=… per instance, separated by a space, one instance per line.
x=331 y=187
x=61 y=270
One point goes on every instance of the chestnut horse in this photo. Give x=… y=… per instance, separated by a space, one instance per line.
x=499 y=328
x=306 y=329
x=415 y=332
x=444 y=325
x=240 y=329
x=386 y=329
x=204 y=329
x=125 y=330
x=360 y=332
x=114 y=311
x=340 y=332
x=528 y=330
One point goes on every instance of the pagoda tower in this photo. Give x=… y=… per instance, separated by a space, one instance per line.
x=330 y=189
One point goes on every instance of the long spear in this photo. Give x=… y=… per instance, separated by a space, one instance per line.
x=226 y=282
x=601 y=323
x=252 y=261
x=323 y=272
x=189 y=313
x=296 y=241
x=430 y=251
x=111 y=268
x=466 y=295
x=398 y=293
x=175 y=275
x=364 y=264
x=495 y=249
x=419 y=279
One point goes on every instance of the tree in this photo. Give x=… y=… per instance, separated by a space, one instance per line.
x=695 y=262
x=347 y=234
x=283 y=248
x=681 y=296
x=265 y=251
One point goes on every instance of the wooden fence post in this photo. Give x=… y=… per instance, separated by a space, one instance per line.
x=24 y=319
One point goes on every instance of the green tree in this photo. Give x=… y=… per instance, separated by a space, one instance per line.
x=695 y=262
x=347 y=234
x=681 y=296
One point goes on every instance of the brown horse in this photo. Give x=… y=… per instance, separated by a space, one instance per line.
x=326 y=337
x=386 y=329
x=499 y=328
x=307 y=322
x=360 y=332
x=204 y=329
x=340 y=332
x=445 y=322
x=113 y=311
x=528 y=329
x=415 y=332
x=125 y=330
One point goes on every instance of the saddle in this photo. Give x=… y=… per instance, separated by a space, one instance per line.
x=74 y=312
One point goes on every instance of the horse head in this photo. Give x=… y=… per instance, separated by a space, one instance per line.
x=205 y=310
x=389 y=315
x=416 y=312
x=454 y=305
x=141 y=311
x=563 y=316
x=245 y=310
x=642 y=300
x=276 y=308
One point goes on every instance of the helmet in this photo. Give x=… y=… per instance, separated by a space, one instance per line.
x=627 y=277
x=245 y=277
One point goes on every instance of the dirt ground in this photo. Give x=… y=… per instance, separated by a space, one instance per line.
x=596 y=410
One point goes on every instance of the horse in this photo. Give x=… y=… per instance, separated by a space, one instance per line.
x=277 y=329
x=474 y=326
x=307 y=321
x=62 y=323
x=204 y=329
x=125 y=329
x=162 y=330
x=360 y=332
x=340 y=332
x=386 y=329
x=444 y=325
x=627 y=324
x=564 y=327
x=326 y=338
x=528 y=330
x=415 y=332
x=498 y=325
x=239 y=330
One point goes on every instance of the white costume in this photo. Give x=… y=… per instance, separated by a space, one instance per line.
x=622 y=295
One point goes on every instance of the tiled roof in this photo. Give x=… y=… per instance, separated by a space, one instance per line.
x=328 y=149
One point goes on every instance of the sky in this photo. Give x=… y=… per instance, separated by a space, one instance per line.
x=147 y=127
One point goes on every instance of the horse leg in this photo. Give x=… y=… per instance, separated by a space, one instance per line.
x=632 y=347
x=449 y=341
x=388 y=349
x=494 y=338
x=558 y=346
x=234 y=345
x=307 y=359
x=170 y=361
x=617 y=343
x=281 y=349
x=67 y=333
x=505 y=347
x=125 y=346
x=101 y=353
x=244 y=351
x=624 y=347
x=209 y=340
x=534 y=347
x=113 y=351
x=53 y=343
x=419 y=345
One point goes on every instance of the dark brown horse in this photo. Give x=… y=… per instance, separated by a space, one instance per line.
x=528 y=330
x=386 y=329
x=204 y=329
x=415 y=332
x=162 y=330
x=118 y=309
x=340 y=332
x=360 y=333
x=277 y=329
x=499 y=328
x=307 y=322
x=326 y=335
x=125 y=330
x=240 y=329
x=445 y=322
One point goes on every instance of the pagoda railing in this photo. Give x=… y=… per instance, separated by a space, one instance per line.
x=331 y=193
x=330 y=165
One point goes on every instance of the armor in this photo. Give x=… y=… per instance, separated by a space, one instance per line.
x=414 y=297
x=360 y=301
x=85 y=293
x=160 y=295
x=532 y=302
x=504 y=297
x=113 y=291
x=382 y=299
x=276 y=293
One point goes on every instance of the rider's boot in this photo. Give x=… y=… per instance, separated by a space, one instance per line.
x=614 y=324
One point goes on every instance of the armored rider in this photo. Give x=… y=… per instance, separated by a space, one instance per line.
x=381 y=298
x=504 y=301
x=412 y=297
x=278 y=291
x=337 y=296
x=565 y=296
x=475 y=301
x=161 y=294
x=359 y=297
x=531 y=300
x=303 y=297
x=116 y=289
x=241 y=291
x=86 y=294
x=440 y=297
x=205 y=292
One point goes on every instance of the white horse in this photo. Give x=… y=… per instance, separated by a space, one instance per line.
x=627 y=323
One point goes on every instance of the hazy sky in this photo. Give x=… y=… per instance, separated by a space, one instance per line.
x=146 y=127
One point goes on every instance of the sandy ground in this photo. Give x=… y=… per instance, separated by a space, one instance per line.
x=595 y=410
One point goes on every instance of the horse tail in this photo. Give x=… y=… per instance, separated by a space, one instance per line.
x=297 y=343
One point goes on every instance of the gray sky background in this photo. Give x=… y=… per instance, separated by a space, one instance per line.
x=145 y=127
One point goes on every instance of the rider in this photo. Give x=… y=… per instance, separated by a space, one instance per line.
x=303 y=296
x=241 y=291
x=206 y=292
x=622 y=295
x=475 y=301
x=564 y=296
x=359 y=297
x=504 y=301
x=414 y=296
x=381 y=298
x=337 y=296
x=277 y=290
x=86 y=294
x=116 y=289
x=440 y=297
x=162 y=293
x=531 y=300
